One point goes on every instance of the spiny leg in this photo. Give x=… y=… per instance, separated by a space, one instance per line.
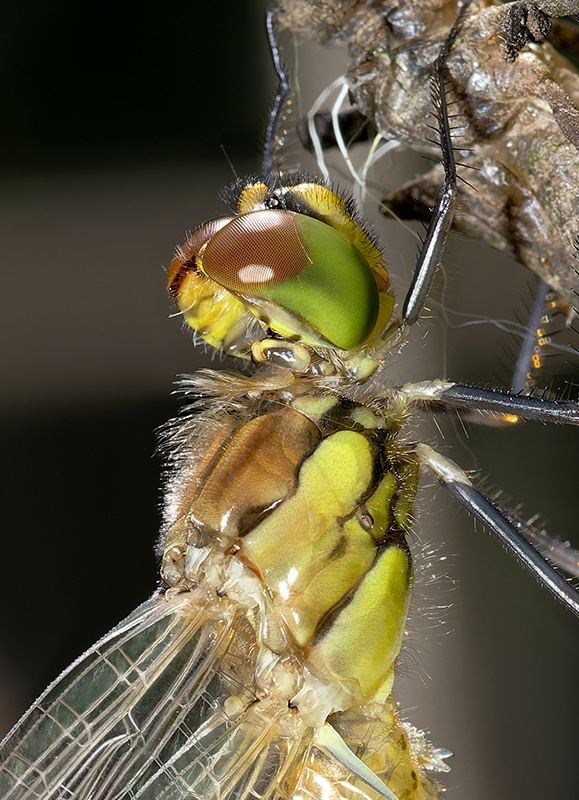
x=473 y=398
x=530 y=358
x=528 y=362
x=508 y=533
x=281 y=93
x=443 y=212
x=559 y=553
x=524 y=366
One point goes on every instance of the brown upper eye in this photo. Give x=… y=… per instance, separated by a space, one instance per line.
x=187 y=257
x=256 y=250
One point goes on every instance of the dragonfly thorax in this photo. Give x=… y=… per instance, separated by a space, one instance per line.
x=300 y=512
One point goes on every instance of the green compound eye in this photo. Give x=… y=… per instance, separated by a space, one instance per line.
x=301 y=265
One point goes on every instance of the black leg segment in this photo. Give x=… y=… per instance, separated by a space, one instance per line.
x=515 y=542
x=460 y=395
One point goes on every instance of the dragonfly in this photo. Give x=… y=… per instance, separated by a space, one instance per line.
x=150 y=620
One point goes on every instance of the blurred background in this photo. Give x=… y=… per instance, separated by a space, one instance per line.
x=120 y=127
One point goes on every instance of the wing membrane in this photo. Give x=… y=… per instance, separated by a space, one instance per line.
x=128 y=699
x=164 y=707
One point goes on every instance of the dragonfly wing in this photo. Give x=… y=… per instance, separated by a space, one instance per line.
x=97 y=729
x=250 y=758
x=165 y=707
x=162 y=708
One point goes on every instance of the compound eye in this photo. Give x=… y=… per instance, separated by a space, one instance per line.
x=254 y=251
x=301 y=265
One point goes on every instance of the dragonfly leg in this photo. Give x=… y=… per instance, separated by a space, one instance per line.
x=282 y=354
x=448 y=394
x=499 y=524
x=281 y=93
x=524 y=366
x=557 y=552
x=442 y=215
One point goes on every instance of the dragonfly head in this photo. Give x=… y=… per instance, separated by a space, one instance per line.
x=293 y=262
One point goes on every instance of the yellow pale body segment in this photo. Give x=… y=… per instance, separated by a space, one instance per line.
x=312 y=550
x=211 y=311
x=378 y=505
x=365 y=636
x=398 y=761
x=339 y=559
